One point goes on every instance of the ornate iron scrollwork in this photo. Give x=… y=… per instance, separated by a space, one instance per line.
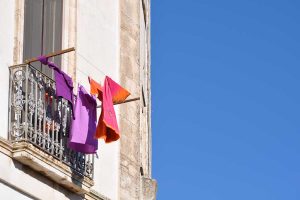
x=46 y=118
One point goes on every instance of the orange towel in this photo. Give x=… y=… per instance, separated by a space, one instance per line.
x=107 y=127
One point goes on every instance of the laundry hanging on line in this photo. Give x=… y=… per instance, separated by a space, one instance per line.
x=95 y=88
x=119 y=94
x=111 y=92
x=84 y=130
x=84 y=125
x=63 y=82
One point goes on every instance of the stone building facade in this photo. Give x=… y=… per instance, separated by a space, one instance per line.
x=110 y=37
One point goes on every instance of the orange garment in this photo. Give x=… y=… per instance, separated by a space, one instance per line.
x=96 y=88
x=111 y=92
x=119 y=94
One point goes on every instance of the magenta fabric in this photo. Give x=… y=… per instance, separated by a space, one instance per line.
x=64 y=83
x=107 y=124
x=84 y=125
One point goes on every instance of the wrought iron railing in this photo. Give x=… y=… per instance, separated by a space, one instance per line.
x=37 y=116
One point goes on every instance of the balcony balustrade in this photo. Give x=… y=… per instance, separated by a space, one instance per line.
x=37 y=116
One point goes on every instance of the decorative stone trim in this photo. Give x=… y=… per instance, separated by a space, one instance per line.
x=135 y=150
x=95 y=195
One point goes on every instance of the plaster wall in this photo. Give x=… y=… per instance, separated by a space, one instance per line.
x=22 y=179
x=97 y=55
x=8 y=192
x=7 y=10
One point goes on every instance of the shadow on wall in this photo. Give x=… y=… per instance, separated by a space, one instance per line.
x=43 y=178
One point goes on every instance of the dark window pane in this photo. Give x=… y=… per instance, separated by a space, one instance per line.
x=33 y=30
x=43 y=30
x=52 y=33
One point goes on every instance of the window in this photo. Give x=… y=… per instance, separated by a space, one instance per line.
x=42 y=30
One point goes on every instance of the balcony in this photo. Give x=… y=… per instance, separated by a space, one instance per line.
x=39 y=124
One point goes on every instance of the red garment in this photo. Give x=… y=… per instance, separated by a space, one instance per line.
x=111 y=93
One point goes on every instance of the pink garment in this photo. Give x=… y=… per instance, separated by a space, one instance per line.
x=107 y=125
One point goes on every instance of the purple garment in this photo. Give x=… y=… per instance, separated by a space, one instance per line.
x=84 y=125
x=64 y=83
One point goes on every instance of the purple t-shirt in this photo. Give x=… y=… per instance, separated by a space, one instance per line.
x=84 y=125
x=63 y=82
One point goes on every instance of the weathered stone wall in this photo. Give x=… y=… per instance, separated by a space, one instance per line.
x=144 y=61
x=135 y=152
x=129 y=120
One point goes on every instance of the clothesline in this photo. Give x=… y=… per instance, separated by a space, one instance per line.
x=84 y=131
x=91 y=64
x=57 y=53
x=99 y=106
x=126 y=101
x=35 y=59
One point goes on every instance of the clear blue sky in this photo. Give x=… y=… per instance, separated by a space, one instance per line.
x=226 y=99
